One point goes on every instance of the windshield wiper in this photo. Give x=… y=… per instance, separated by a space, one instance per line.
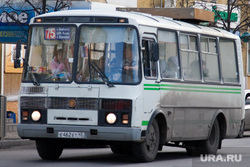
x=104 y=77
x=33 y=77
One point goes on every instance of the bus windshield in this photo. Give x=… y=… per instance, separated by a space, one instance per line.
x=108 y=53
x=104 y=55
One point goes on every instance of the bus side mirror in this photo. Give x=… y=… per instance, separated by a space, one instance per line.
x=154 y=51
x=17 y=55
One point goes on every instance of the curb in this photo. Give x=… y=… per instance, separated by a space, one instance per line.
x=18 y=142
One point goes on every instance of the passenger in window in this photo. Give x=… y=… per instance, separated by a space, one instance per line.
x=59 y=63
x=195 y=69
x=163 y=68
x=204 y=68
x=173 y=67
x=170 y=69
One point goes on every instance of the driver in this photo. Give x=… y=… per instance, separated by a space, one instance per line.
x=59 y=64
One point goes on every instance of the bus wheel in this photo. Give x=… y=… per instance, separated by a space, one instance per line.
x=116 y=148
x=242 y=129
x=209 y=146
x=212 y=143
x=124 y=148
x=146 y=151
x=48 y=150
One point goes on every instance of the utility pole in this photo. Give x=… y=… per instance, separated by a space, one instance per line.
x=44 y=6
x=228 y=15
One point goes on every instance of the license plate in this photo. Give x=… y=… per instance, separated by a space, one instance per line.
x=76 y=135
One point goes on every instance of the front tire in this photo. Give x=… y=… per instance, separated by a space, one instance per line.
x=48 y=150
x=147 y=150
x=123 y=148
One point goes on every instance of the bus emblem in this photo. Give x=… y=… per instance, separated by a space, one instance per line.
x=72 y=103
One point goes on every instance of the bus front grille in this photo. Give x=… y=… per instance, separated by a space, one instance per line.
x=59 y=103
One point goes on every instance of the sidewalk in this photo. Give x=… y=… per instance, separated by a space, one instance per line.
x=12 y=139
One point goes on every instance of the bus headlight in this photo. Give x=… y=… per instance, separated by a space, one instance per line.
x=111 y=118
x=36 y=115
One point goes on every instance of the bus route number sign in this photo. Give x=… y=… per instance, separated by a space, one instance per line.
x=57 y=33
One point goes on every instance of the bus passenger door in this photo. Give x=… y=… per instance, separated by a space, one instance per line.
x=151 y=93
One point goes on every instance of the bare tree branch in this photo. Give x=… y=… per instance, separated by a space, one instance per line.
x=32 y=6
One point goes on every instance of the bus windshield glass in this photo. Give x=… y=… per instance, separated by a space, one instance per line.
x=108 y=54
x=50 y=57
x=105 y=55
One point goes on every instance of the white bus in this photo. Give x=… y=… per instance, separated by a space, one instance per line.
x=133 y=81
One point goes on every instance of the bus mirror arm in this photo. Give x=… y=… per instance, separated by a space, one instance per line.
x=154 y=51
x=17 y=63
x=17 y=55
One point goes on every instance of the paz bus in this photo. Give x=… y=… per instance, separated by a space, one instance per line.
x=133 y=81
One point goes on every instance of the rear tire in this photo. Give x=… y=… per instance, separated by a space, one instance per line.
x=209 y=146
x=48 y=150
x=147 y=150
x=242 y=129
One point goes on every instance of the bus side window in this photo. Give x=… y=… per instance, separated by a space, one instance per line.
x=150 y=67
x=210 y=60
x=190 y=57
x=229 y=61
x=169 y=60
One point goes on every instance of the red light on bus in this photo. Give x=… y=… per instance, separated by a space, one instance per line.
x=116 y=104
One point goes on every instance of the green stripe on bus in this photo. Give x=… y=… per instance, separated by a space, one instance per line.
x=151 y=88
x=144 y=123
x=201 y=87
x=192 y=88
x=156 y=85
x=207 y=91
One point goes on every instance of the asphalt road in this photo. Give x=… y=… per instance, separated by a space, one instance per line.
x=235 y=152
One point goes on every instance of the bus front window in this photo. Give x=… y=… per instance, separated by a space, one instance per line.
x=50 y=57
x=108 y=54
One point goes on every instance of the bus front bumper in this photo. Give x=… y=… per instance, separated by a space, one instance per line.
x=31 y=131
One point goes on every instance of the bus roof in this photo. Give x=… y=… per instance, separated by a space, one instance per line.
x=144 y=19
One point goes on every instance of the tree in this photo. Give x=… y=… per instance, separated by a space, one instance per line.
x=15 y=15
x=245 y=15
x=39 y=7
x=224 y=18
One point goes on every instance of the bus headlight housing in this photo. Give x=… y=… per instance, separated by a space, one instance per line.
x=36 y=115
x=33 y=116
x=115 y=112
